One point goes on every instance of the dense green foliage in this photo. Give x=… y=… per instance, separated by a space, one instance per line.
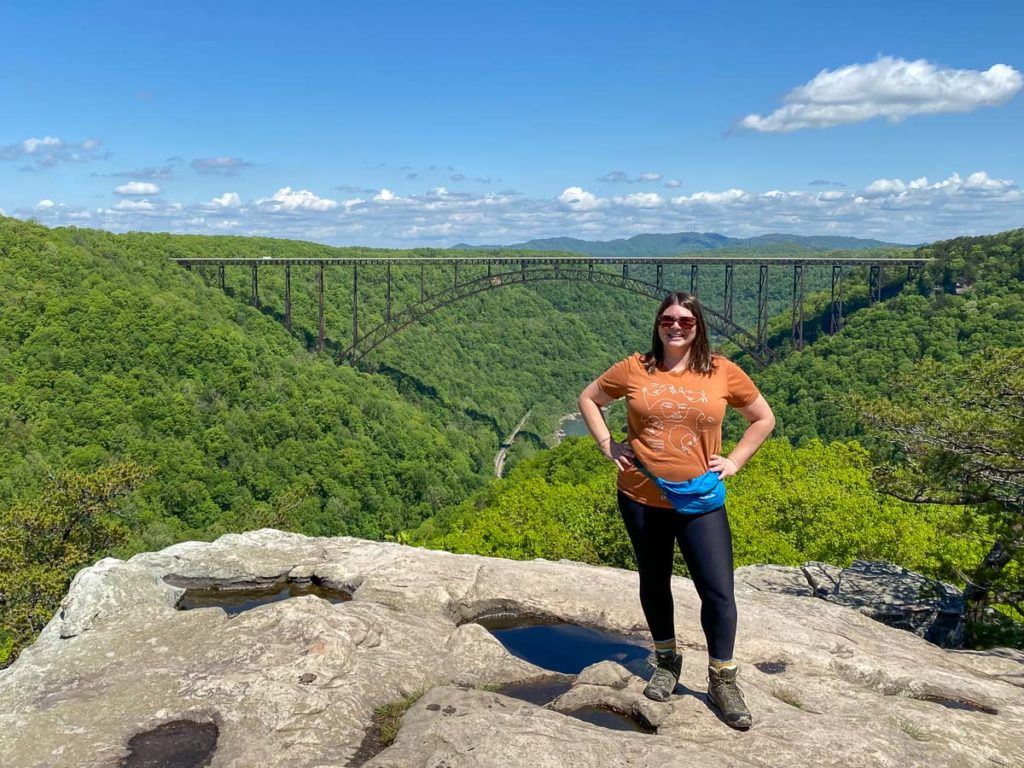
x=109 y=351
x=45 y=541
x=958 y=430
x=926 y=320
x=788 y=505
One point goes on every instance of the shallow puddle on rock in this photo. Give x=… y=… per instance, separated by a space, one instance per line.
x=539 y=691
x=235 y=601
x=178 y=744
x=609 y=718
x=772 y=667
x=954 y=703
x=568 y=648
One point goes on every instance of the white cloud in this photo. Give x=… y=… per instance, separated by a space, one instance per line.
x=887 y=87
x=640 y=200
x=299 y=200
x=227 y=200
x=45 y=204
x=579 y=199
x=134 y=205
x=50 y=150
x=882 y=187
x=890 y=208
x=137 y=188
x=384 y=196
x=712 y=198
x=673 y=183
x=980 y=180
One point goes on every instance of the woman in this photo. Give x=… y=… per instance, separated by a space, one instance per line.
x=676 y=396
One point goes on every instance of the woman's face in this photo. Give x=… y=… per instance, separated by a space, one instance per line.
x=676 y=335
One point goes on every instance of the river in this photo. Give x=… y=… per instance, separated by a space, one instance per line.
x=572 y=425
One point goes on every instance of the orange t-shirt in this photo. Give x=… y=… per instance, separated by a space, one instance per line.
x=674 y=420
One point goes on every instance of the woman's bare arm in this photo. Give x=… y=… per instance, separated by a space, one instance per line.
x=590 y=401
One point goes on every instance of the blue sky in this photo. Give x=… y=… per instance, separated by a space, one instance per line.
x=428 y=124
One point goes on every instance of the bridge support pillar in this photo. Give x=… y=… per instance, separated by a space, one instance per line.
x=762 y=302
x=422 y=294
x=456 y=274
x=288 y=296
x=590 y=271
x=874 y=283
x=320 y=309
x=727 y=308
x=220 y=275
x=255 y=295
x=836 y=320
x=694 y=279
x=522 y=269
x=798 y=306
x=355 y=306
x=660 y=281
x=625 y=271
x=387 y=310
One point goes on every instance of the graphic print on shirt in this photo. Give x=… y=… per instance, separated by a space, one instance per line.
x=673 y=420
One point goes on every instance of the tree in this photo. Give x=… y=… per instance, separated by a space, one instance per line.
x=958 y=431
x=43 y=542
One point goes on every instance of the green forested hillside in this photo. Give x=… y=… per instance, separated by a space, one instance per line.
x=109 y=350
x=928 y=319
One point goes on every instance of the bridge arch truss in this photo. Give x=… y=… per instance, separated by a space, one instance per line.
x=503 y=271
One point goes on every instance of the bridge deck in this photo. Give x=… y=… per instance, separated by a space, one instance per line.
x=721 y=260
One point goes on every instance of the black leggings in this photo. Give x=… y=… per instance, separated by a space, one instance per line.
x=706 y=544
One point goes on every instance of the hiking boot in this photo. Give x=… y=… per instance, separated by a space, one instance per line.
x=726 y=696
x=665 y=677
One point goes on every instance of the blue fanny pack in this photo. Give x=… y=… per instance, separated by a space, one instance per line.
x=696 y=496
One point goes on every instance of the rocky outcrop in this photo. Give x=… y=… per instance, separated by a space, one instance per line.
x=884 y=591
x=295 y=683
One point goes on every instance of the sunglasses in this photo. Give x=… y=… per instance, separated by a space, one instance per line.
x=685 y=323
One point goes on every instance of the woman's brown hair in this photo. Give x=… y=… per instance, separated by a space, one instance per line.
x=700 y=354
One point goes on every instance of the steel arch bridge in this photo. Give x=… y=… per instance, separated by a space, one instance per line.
x=509 y=271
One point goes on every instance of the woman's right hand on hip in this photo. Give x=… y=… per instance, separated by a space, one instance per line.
x=621 y=454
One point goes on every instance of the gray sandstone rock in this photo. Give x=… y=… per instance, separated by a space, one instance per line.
x=295 y=683
x=905 y=600
x=883 y=591
x=780 y=579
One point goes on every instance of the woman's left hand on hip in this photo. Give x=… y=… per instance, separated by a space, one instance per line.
x=723 y=465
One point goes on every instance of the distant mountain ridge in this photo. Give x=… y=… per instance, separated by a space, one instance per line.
x=685 y=242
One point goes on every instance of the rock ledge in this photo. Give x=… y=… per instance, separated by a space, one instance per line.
x=294 y=683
